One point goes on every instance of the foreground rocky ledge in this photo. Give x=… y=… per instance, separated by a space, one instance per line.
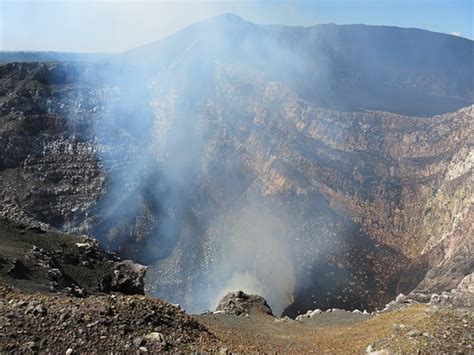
x=34 y=259
x=46 y=323
x=62 y=324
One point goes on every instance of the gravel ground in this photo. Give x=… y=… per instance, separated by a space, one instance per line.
x=54 y=324
x=415 y=328
x=42 y=323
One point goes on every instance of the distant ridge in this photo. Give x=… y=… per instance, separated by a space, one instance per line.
x=349 y=67
x=402 y=70
x=50 y=56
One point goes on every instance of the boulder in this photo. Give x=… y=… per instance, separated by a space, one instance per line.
x=127 y=278
x=462 y=296
x=309 y=314
x=18 y=270
x=467 y=284
x=239 y=302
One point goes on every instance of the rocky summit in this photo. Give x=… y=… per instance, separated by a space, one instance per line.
x=326 y=169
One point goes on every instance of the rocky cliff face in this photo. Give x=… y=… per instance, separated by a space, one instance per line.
x=349 y=179
x=48 y=174
x=55 y=165
x=224 y=177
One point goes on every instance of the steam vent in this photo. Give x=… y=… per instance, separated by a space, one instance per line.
x=324 y=171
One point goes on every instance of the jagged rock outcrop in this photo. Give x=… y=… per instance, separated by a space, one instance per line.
x=240 y=303
x=127 y=277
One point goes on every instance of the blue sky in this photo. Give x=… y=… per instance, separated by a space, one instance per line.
x=114 y=26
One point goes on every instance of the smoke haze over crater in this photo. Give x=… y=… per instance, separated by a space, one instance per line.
x=237 y=156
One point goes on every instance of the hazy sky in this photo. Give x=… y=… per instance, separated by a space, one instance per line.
x=114 y=26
